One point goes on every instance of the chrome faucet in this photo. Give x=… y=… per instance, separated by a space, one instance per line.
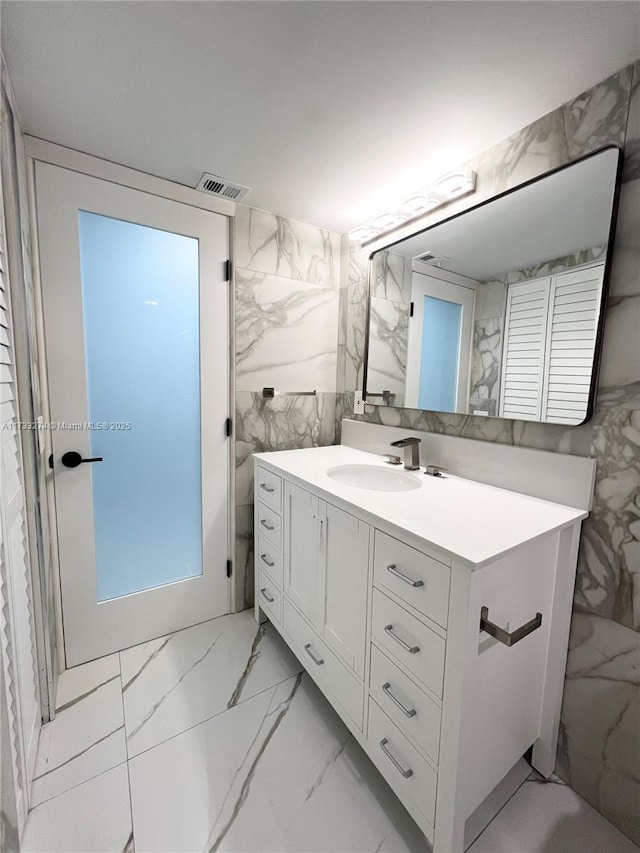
x=411 y=452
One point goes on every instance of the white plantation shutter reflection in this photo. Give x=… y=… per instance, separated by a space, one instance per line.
x=571 y=338
x=549 y=346
x=524 y=348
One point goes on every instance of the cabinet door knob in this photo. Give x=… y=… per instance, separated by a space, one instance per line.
x=266 y=561
x=267 y=488
x=266 y=524
x=265 y=595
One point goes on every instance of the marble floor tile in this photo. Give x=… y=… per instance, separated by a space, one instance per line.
x=95 y=817
x=549 y=817
x=87 y=735
x=242 y=753
x=178 y=681
x=279 y=772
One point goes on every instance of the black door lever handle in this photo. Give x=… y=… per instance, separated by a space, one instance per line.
x=72 y=459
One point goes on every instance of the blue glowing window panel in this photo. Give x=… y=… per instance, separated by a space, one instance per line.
x=140 y=294
x=440 y=355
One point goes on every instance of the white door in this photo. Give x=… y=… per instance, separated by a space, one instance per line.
x=440 y=341
x=136 y=308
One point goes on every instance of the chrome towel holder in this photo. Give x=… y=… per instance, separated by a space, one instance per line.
x=268 y=393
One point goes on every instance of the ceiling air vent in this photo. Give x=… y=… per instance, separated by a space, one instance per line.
x=432 y=258
x=221 y=187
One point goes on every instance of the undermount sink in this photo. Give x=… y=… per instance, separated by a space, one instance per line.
x=374 y=478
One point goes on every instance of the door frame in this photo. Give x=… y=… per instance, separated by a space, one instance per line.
x=40 y=150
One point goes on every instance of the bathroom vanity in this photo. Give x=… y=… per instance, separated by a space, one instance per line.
x=432 y=612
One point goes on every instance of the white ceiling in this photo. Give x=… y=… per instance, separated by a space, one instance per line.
x=331 y=111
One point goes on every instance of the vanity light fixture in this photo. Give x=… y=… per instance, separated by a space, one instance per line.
x=418 y=204
x=444 y=190
x=387 y=221
x=452 y=186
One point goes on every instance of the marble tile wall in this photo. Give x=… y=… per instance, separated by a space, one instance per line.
x=599 y=745
x=486 y=354
x=286 y=316
x=389 y=319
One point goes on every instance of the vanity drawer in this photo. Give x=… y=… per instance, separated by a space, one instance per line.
x=326 y=669
x=269 y=597
x=269 y=488
x=407 y=640
x=408 y=773
x=269 y=559
x=269 y=525
x=414 y=577
x=405 y=703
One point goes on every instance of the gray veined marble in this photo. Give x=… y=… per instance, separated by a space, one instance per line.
x=632 y=143
x=343 y=325
x=391 y=277
x=596 y=118
x=388 y=342
x=625 y=267
x=286 y=333
x=553 y=437
x=486 y=358
x=242 y=779
x=608 y=580
x=279 y=772
x=600 y=736
x=281 y=423
x=356 y=335
x=87 y=736
x=275 y=245
x=358 y=263
x=176 y=682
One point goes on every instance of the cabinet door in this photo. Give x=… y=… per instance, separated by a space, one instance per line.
x=301 y=548
x=342 y=584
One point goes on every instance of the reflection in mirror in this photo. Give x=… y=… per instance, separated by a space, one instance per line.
x=496 y=311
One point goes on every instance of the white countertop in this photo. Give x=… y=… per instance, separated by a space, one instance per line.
x=471 y=520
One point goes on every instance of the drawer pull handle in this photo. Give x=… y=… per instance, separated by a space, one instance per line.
x=263 y=593
x=386 y=688
x=404 y=773
x=388 y=629
x=266 y=561
x=266 y=524
x=509 y=638
x=267 y=488
x=394 y=571
x=317 y=661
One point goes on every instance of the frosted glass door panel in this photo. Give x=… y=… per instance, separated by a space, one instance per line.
x=440 y=355
x=140 y=292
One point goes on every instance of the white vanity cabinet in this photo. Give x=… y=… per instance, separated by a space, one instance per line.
x=388 y=622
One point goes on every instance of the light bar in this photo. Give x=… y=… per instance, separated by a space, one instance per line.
x=444 y=190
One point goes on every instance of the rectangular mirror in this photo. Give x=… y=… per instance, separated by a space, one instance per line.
x=498 y=311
